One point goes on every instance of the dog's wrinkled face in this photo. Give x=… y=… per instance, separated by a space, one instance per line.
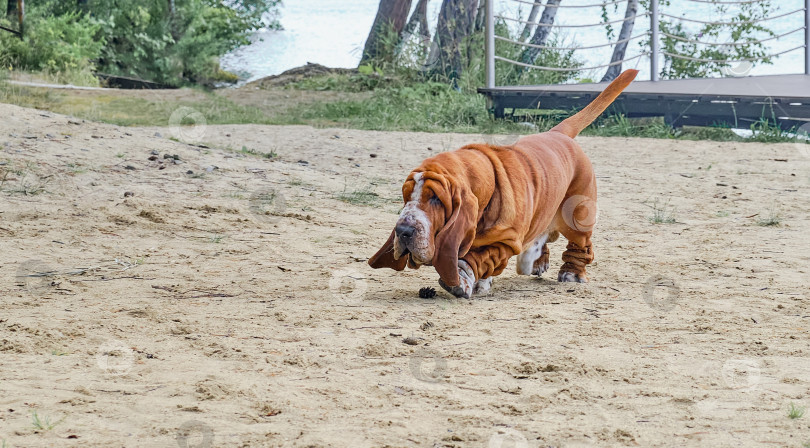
x=436 y=225
x=420 y=220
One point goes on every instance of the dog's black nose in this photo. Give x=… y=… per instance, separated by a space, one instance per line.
x=404 y=232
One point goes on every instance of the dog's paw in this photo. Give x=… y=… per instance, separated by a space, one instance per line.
x=566 y=276
x=466 y=282
x=458 y=291
x=540 y=265
x=482 y=286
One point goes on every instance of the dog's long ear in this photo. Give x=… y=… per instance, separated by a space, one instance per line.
x=384 y=258
x=457 y=235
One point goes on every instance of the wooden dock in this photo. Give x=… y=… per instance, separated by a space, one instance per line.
x=730 y=102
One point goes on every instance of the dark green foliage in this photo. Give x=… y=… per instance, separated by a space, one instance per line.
x=65 y=43
x=146 y=41
x=427 y=106
x=139 y=38
x=766 y=131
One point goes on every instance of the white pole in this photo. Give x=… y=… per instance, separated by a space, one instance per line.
x=807 y=37
x=490 y=43
x=654 y=39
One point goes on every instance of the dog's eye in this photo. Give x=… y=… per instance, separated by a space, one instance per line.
x=435 y=200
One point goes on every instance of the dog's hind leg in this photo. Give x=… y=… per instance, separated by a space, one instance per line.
x=534 y=260
x=579 y=252
x=577 y=255
x=482 y=286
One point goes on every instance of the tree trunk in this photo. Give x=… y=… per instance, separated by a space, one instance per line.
x=11 y=9
x=481 y=16
x=172 y=23
x=456 y=22
x=418 y=20
x=527 y=30
x=618 y=52
x=542 y=33
x=391 y=16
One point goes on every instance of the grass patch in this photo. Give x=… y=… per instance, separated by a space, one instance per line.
x=387 y=102
x=795 y=412
x=354 y=82
x=621 y=126
x=25 y=183
x=234 y=195
x=766 y=132
x=662 y=213
x=772 y=220
x=715 y=133
x=427 y=107
x=28 y=187
x=126 y=109
x=253 y=152
x=44 y=423
x=76 y=168
x=364 y=196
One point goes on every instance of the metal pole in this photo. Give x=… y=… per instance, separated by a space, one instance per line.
x=807 y=37
x=490 y=43
x=654 y=40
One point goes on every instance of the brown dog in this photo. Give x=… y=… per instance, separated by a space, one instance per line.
x=468 y=211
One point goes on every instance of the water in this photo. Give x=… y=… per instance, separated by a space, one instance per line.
x=328 y=32
x=332 y=33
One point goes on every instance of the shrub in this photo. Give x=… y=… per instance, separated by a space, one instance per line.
x=61 y=45
x=141 y=38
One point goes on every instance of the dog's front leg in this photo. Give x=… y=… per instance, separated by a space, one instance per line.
x=467 y=281
x=477 y=268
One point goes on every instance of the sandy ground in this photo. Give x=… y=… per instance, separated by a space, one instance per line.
x=232 y=306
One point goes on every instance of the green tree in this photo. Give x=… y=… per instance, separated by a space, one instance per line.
x=168 y=41
x=149 y=40
x=739 y=27
x=64 y=44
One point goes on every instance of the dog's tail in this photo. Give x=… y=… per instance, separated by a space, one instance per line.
x=573 y=125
